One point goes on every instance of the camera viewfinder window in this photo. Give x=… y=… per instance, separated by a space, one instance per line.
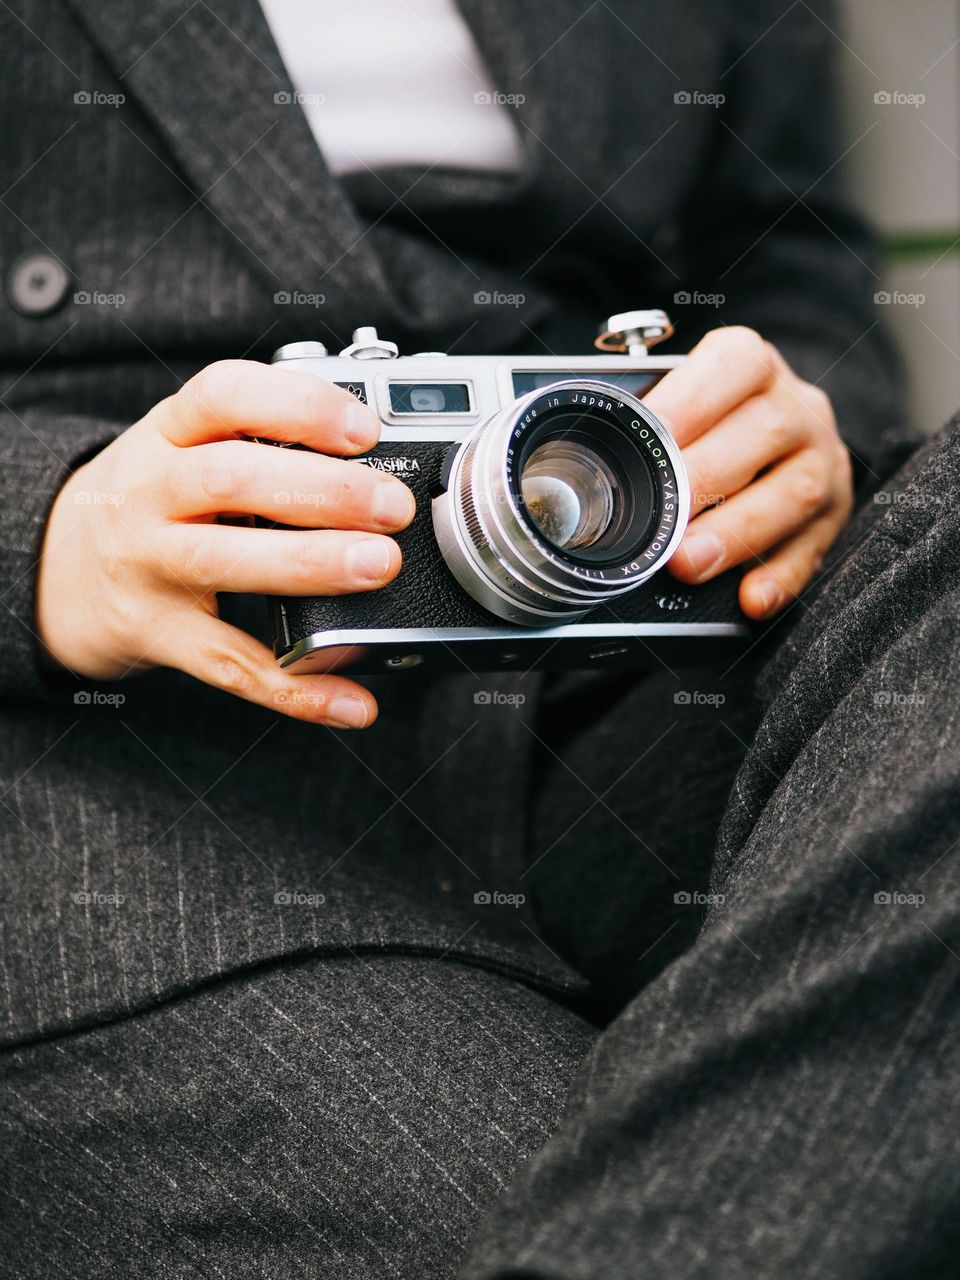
x=433 y=397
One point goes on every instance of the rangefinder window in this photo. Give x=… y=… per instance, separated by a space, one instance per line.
x=638 y=384
x=430 y=397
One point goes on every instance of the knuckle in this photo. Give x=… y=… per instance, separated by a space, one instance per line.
x=211 y=388
x=778 y=432
x=224 y=474
x=305 y=398
x=230 y=672
x=191 y=558
x=749 y=536
x=316 y=404
x=711 y=484
x=813 y=567
x=309 y=564
x=843 y=473
x=742 y=344
x=128 y=541
x=812 y=489
x=125 y=554
x=123 y=619
x=819 y=409
x=804 y=568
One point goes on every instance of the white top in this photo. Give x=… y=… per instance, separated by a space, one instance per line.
x=393 y=82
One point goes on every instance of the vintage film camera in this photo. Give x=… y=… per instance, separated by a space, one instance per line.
x=548 y=499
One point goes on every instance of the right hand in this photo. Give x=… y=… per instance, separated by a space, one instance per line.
x=133 y=557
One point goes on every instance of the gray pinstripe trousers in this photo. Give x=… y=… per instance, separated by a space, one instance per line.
x=768 y=1085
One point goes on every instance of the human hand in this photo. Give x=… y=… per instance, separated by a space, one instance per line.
x=770 y=478
x=133 y=557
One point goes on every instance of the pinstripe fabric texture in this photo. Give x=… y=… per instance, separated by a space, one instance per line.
x=211 y=918
x=179 y=836
x=286 y=1124
x=780 y=1099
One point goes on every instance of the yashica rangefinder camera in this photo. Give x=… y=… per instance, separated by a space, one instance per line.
x=548 y=498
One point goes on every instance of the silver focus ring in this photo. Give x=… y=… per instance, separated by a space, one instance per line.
x=471 y=519
x=488 y=541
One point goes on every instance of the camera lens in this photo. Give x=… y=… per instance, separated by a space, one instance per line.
x=571 y=495
x=587 y=489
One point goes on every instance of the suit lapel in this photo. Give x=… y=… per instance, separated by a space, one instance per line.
x=210 y=77
x=217 y=89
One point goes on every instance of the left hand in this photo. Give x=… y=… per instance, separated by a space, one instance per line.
x=770 y=478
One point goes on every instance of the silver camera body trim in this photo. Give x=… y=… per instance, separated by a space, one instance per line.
x=489 y=380
x=489 y=648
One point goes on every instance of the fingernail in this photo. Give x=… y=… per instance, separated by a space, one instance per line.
x=393 y=503
x=361 y=425
x=347 y=713
x=369 y=559
x=770 y=596
x=704 y=552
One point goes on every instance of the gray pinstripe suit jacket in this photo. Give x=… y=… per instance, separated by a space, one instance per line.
x=200 y=198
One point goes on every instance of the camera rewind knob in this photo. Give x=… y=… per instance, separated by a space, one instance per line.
x=634 y=332
x=299 y=351
x=368 y=345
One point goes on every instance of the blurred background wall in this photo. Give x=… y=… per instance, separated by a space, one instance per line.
x=900 y=76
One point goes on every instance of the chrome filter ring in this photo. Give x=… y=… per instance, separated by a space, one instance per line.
x=495 y=540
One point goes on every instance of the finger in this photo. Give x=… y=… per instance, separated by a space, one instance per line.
x=768 y=589
x=288 y=485
x=776 y=506
x=241 y=398
x=727 y=458
x=229 y=659
x=723 y=369
x=278 y=562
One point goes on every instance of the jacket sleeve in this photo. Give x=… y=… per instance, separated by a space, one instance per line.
x=40 y=451
x=771 y=240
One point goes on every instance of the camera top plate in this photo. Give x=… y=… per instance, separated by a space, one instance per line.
x=491 y=382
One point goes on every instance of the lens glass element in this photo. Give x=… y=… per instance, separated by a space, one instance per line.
x=570 y=493
x=586 y=486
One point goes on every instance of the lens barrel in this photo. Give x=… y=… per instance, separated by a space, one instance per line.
x=566 y=498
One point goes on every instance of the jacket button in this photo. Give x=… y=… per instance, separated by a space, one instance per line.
x=37 y=284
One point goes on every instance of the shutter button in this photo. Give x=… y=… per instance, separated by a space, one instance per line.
x=37 y=284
